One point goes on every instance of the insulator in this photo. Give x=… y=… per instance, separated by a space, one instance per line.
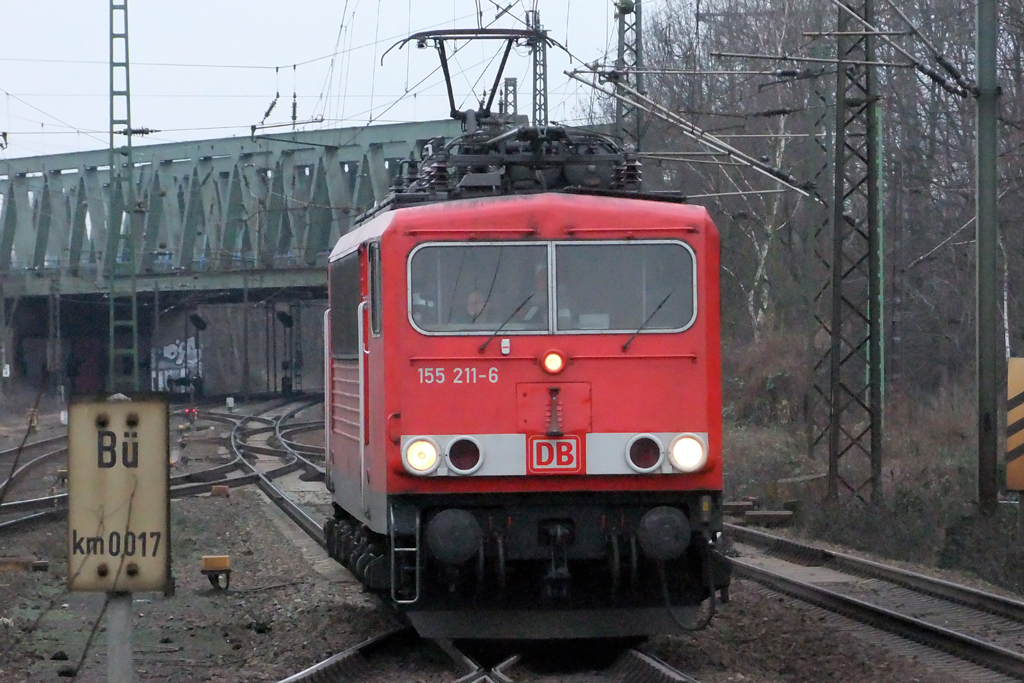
x=273 y=104
x=774 y=112
x=412 y=171
x=439 y=174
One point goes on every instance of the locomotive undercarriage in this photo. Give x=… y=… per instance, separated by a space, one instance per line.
x=506 y=566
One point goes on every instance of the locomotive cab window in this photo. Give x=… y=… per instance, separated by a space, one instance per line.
x=624 y=286
x=462 y=288
x=373 y=251
x=344 y=298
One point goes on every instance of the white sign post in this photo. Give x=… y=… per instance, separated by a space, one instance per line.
x=118 y=510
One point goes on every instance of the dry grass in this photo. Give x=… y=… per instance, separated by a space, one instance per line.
x=927 y=512
x=765 y=382
x=756 y=455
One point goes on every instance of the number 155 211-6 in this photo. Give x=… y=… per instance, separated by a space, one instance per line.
x=468 y=375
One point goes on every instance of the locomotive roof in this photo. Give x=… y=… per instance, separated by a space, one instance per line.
x=366 y=232
x=375 y=227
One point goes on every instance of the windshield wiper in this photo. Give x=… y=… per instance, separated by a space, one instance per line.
x=507 y=320
x=653 y=313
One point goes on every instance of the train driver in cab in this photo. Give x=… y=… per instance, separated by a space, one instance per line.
x=535 y=311
x=477 y=307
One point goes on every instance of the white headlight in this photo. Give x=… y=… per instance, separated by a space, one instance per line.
x=421 y=456
x=688 y=453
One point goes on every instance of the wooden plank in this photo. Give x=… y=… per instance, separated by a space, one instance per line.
x=737 y=507
x=768 y=518
x=22 y=564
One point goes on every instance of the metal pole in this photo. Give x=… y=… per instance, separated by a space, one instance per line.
x=273 y=349
x=245 y=336
x=838 y=222
x=638 y=57
x=120 y=668
x=267 y=322
x=184 y=339
x=3 y=341
x=120 y=115
x=876 y=289
x=154 y=342
x=539 y=47
x=987 y=22
x=620 y=65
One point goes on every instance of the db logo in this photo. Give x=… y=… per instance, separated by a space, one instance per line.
x=563 y=455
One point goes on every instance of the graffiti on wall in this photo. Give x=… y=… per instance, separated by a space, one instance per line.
x=174 y=363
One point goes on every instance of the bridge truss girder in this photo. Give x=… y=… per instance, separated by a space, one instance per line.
x=210 y=208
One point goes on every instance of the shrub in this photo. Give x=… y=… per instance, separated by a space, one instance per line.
x=927 y=511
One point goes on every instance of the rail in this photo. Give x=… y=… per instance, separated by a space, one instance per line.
x=186 y=484
x=967 y=608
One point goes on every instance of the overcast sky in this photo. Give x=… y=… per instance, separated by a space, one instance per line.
x=206 y=69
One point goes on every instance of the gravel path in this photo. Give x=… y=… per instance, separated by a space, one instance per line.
x=280 y=615
x=761 y=637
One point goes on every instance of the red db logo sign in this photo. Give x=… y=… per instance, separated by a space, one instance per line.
x=563 y=455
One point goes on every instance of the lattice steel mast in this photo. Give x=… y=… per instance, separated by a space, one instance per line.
x=850 y=373
x=120 y=256
x=629 y=64
x=539 y=48
x=510 y=97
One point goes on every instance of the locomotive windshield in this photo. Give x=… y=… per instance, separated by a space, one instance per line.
x=623 y=286
x=612 y=287
x=476 y=288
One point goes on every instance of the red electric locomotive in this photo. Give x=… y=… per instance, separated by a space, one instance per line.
x=524 y=401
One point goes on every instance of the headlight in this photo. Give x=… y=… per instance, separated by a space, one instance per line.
x=464 y=455
x=643 y=453
x=553 y=362
x=421 y=456
x=689 y=453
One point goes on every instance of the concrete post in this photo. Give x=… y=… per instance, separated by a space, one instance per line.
x=120 y=668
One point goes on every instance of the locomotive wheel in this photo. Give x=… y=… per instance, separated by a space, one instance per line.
x=362 y=563
x=331 y=537
x=370 y=552
x=634 y=563
x=500 y=542
x=480 y=568
x=615 y=564
x=344 y=541
x=356 y=548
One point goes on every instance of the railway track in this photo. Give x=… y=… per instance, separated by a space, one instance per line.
x=291 y=460
x=266 y=446
x=979 y=628
x=8 y=454
x=30 y=460
x=352 y=663
x=357 y=663
x=238 y=471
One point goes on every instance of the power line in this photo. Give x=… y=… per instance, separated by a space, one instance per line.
x=61 y=121
x=329 y=79
x=199 y=65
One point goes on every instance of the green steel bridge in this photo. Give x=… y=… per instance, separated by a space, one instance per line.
x=223 y=221
x=267 y=209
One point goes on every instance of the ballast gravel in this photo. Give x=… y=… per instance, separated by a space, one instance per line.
x=286 y=610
